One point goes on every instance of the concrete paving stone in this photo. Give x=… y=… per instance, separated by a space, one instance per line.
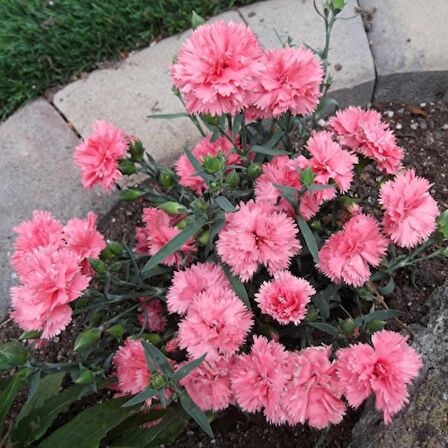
x=350 y=58
x=409 y=44
x=127 y=94
x=37 y=172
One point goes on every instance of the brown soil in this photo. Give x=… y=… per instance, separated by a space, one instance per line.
x=423 y=132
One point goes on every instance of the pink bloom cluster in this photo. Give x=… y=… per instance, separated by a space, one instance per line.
x=160 y=228
x=348 y=254
x=205 y=147
x=222 y=69
x=98 y=156
x=384 y=370
x=151 y=316
x=409 y=210
x=364 y=132
x=51 y=262
x=257 y=233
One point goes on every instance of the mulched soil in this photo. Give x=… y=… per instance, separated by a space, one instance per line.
x=422 y=130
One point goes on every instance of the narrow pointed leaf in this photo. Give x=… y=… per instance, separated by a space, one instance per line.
x=141 y=397
x=237 y=285
x=187 y=368
x=326 y=328
x=268 y=151
x=379 y=315
x=225 y=204
x=309 y=239
x=168 y=116
x=159 y=358
x=193 y=410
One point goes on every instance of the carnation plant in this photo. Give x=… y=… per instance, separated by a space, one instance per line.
x=257 y=279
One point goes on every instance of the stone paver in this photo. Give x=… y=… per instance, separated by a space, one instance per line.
x=409 y=44
x=127 y=94
x=37 y=172
x=350 y=53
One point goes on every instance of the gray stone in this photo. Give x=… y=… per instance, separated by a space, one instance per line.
x=36 y=147
x=408 y=40
x=273 y=21
x=127 y=94
x=424 y=422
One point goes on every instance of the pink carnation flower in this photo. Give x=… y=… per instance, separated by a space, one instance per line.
x=53 y=280
x=217 y=323
x=259 y=377
x=312 y=393
x=132 y=371
x=364 y=132
x=41 y=231
x=159 y=229
x=347 y=254
x=409 y=210
x=289 y=82
x=98 y=156
x=384 y=369
x=257 y=234
x=208 y=385
x=151 y=316
x=186 y=285
x=215 y=68
x=285 y=297
x=205 y=147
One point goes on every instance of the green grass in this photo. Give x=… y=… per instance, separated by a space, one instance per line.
x=47 y=43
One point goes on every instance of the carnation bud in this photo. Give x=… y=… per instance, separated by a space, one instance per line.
x=337 y=5
x=136 y=149
x=87 y=339
x=214 y=187
x=442 y=223
x=196 y=20
x=130 y=194
x=173 y=208
x=348 y=326
x=375 y=325
x=312 y=314
x=166 y=177
x=254 y=170
x=204 y=237
x=182 y=224
x=116 y=331
x=158 y=381
x=348 y=202
x=213 y=164
x=12 y=354
x=86 y=377
x=232 y=179
x=106 y=254
x=445 y=252
x=115 y=247
x=212 y=120
x=32 y=334
x=153 y=338
x=307 y=177
x=127 y=167
x=97 y=265
x=316 y=225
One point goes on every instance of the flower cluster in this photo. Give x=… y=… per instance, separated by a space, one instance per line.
x=51 y=261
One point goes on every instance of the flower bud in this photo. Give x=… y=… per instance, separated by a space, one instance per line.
x=312 y=314
x=86 y=377
x=158 y=381
x=130 y=194
x=153 y=338
x=316 y=225
x=173 y=208
x=166 y=177
x=204 y=237
x=115 y=247
x=182 y=224
x=376 y=325
x=442 y=223
x=348 y=326
x=136 y=149
x=196 y=20
x=127 y=167
x=87 y=339
x=116 y=331
x=212 y=120
x=97 y=265
x=307 y=177
x=232 y=179
x=213 y=164
x=12 y=354
x=254 y=170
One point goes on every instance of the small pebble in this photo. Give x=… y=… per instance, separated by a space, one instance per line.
x=422 y=104
x=390 y=113
x=190 y=433
x=338 y=67
x=445 y=127
x=423 y=125
x=399 y=126
x=114 y=220
x=401 y=111
x=414 y=126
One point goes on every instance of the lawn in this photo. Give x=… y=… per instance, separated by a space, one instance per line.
x=46 y=43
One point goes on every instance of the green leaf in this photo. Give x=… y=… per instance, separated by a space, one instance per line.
x=141 y=397
x=322 y=299
x=225 y=204
x=187 y=368
x=193 y=410
x=167 y=116
x=89 y=427
x=9 y=392
x=327 y=328
x=388 y=289
x=269 y=151
x=309 y=239
x=197 y=166
x=378 y=315
x=36 y=423
x=316 y=187
x=237 y=285
x=174 y=245
x=159 y=358
x=236 y=125
x=12 y=354
x=48 y=387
